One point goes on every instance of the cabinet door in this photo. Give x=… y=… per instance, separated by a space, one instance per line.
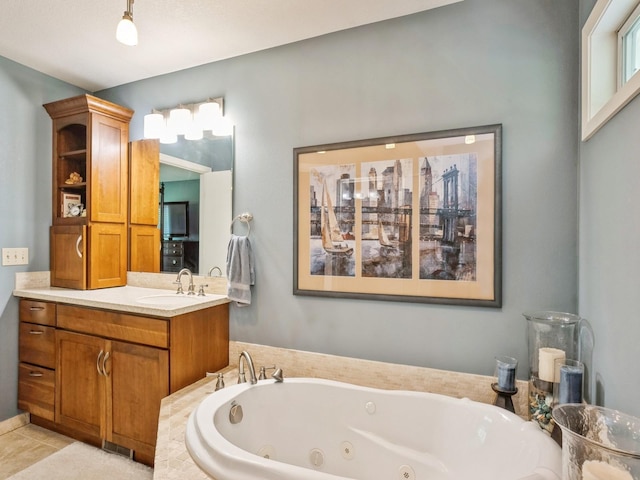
x=80 y=388
x=144 y=182
x=108 y=255
x=144 y=248
x=68 y=261
x=139 y=381
x=108 y=177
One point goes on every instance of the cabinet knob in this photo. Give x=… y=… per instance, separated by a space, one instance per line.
x=35 y=374
x=36 y=332
x=36 y=309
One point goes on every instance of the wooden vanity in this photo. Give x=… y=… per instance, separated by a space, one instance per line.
x=97 y=370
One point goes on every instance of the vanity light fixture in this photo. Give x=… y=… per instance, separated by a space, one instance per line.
x=179 y=119
x=153 y=125
x=127 y=33
x=189 y=120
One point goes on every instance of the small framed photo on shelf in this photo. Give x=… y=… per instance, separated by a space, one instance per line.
x=71 y=205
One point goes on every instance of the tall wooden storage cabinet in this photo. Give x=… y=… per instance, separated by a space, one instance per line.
x=144 y=196
x=90 y=193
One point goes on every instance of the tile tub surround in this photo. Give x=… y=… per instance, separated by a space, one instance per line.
x=172 y=461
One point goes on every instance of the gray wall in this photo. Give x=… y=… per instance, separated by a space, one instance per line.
x=25 y=197
x=609 y=234
x=479 y=62
x=474 y=63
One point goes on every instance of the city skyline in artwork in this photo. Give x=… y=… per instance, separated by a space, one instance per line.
x=445 y=218
x=412 y=218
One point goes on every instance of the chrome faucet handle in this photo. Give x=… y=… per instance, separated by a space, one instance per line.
x=179 y=283
x=220 y=382
x=201 y=290
x=278 y=375
x=263 y=373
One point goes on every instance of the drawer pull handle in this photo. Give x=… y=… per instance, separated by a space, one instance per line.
x=104 y=363
x=35 y=374
x=36 y=332
x=98 y=362
x=36 y=309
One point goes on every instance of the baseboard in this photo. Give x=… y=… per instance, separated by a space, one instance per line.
x=13 y=423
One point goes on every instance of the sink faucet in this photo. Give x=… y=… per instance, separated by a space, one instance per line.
x=185 y=271
x=252 y=371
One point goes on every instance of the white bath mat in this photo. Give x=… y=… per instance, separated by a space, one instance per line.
x=79 y=461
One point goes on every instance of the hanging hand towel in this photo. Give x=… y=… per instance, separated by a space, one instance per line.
x=240 y=272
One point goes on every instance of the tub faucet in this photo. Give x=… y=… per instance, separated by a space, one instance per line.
x=185 y=271
x=252 y=371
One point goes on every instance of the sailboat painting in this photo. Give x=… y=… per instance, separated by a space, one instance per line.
x=387 y=196
x=332 y=242
x=412 y=217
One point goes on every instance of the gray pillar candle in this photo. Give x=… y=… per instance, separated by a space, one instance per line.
x=570 y=384
x=506 y=373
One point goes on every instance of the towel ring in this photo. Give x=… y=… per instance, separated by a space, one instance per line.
x=244 y=218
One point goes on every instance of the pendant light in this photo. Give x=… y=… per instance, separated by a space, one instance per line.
x=127 y=33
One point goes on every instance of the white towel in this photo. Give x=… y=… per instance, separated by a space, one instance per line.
x=240 y=271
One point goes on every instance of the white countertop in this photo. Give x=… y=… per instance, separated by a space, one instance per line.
x=142 y=300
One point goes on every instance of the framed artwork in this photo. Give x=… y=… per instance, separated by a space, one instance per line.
x=412 y=218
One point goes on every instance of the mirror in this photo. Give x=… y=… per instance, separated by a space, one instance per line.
x=199 y=172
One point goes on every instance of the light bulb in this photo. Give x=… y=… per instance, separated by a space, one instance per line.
x=127 y=33
x=208 y=114
x=179 y=120
x=153 y=125
x=168 y=135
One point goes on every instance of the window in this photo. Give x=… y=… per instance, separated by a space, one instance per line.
x=608 y=80
x=629 y=47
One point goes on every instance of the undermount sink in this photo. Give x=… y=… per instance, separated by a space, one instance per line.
x=168 y=299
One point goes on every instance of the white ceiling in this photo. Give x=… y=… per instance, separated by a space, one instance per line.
x=74 y=40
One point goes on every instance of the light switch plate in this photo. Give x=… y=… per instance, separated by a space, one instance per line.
x=15 y=256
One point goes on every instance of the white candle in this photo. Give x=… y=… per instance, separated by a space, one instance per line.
x=546 y=363
x=596 y=470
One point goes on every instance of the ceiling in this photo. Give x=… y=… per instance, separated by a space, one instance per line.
x=74 y=40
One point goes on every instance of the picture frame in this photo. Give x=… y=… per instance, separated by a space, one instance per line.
x=414 y=218
x=70 y=200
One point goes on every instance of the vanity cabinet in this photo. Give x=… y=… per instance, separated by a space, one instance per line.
x=111 y=369
x=119 y=396
x=37 y=355
x=90 y=197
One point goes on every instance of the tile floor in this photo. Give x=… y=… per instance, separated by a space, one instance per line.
x=27 y=445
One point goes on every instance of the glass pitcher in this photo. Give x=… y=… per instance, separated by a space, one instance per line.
x=552 y=336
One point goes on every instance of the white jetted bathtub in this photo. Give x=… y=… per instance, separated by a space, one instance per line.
x=312 y=429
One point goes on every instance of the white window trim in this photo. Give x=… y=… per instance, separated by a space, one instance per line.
x=601 y=100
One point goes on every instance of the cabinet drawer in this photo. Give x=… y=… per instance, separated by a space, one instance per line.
x=37 y=344
x=36 y=390
x=35 y=311
x=115 y=325
x=171 y=264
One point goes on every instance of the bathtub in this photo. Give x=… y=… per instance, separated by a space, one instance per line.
x=312 y=429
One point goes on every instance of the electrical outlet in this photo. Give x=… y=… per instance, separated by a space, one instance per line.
x=15 y=256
